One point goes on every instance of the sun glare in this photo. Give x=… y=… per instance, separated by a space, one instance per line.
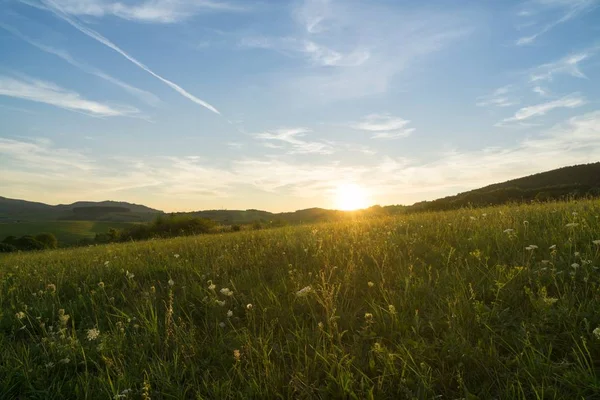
x=351 y=197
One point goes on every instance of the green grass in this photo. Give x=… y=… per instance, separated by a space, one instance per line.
x=66 y=232
x=438 y=304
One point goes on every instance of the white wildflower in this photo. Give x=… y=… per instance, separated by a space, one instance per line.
x=596 y=333
x=304 y=291
x=226 y=292
x=211 y=286
x=171 y=282
x=129 y=275
x=101 y=285
x=176 y=255
x=20 y=315
x=249 y=306
x=550 y=300
x=571 y=225
x=370 y=284
x=552 y=247
x=229 y=313
x=596 y=242
x=575 y=265
x=509 y=230
x=65 y=360
x=222 y=324
x=368 y=316
x=92 y=334
x=392 y=309
x=220 y=302
x=531 y=247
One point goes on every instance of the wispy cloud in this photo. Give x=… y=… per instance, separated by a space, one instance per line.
x=571 y=101
x=143 y=95
x=541 y=91
x=568 y=65
x=384 y=126
x=501 y=97
x=556 y=12
x=149 y=11
x=49 y=93
x=355 y=49
x=40 y=153
x=98 y=37
x=293 y=137
x=317 y=54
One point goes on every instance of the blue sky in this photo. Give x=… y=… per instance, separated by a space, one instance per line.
x=202 y=104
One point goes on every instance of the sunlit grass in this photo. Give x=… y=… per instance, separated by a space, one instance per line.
x=491 y=303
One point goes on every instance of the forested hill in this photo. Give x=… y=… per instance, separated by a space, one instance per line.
x=567 y=182
x=13 y=210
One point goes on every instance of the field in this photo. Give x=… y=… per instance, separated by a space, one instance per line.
x=66 y=232
x=474 y=304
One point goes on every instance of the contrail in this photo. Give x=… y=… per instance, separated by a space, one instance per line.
x=142 y=94
x=95 y=35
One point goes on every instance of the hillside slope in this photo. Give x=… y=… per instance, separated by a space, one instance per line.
x=568 y=182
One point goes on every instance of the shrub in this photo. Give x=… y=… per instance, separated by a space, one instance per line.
x=7 y=248
x=49 y=240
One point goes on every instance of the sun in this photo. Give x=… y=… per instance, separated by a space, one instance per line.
x=350 y=196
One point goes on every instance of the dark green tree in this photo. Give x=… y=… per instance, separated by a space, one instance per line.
x=49 y=240
x=7 y=248
x=28 y=242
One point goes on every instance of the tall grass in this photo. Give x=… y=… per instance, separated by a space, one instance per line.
x=452 y=304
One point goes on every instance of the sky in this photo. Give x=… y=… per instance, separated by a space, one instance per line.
x=283 y=105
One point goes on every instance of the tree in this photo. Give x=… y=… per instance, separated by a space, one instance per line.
x=7 y=248
x=49 y=240
x=10 y=239
x=28 y=242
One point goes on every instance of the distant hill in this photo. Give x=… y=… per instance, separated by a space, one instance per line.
x=231 y=217
x=13 y=210
x=567 y=182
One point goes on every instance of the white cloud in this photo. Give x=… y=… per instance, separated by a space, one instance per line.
x=501 y=97
x=568 y=65
x=49 y=93
x=154 y=11
x=292 y=137
x=540 y=90
x=556 y=12
x=571 y=101
x=98 y=37
x=141 y=94
x=384 y=126
x=354 y=49
x=317 y=54
x=40 y=154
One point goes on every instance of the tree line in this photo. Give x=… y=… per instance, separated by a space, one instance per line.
x=28 y=242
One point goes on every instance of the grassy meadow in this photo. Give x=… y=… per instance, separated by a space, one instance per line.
x=67 y=232
x=489 y=303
